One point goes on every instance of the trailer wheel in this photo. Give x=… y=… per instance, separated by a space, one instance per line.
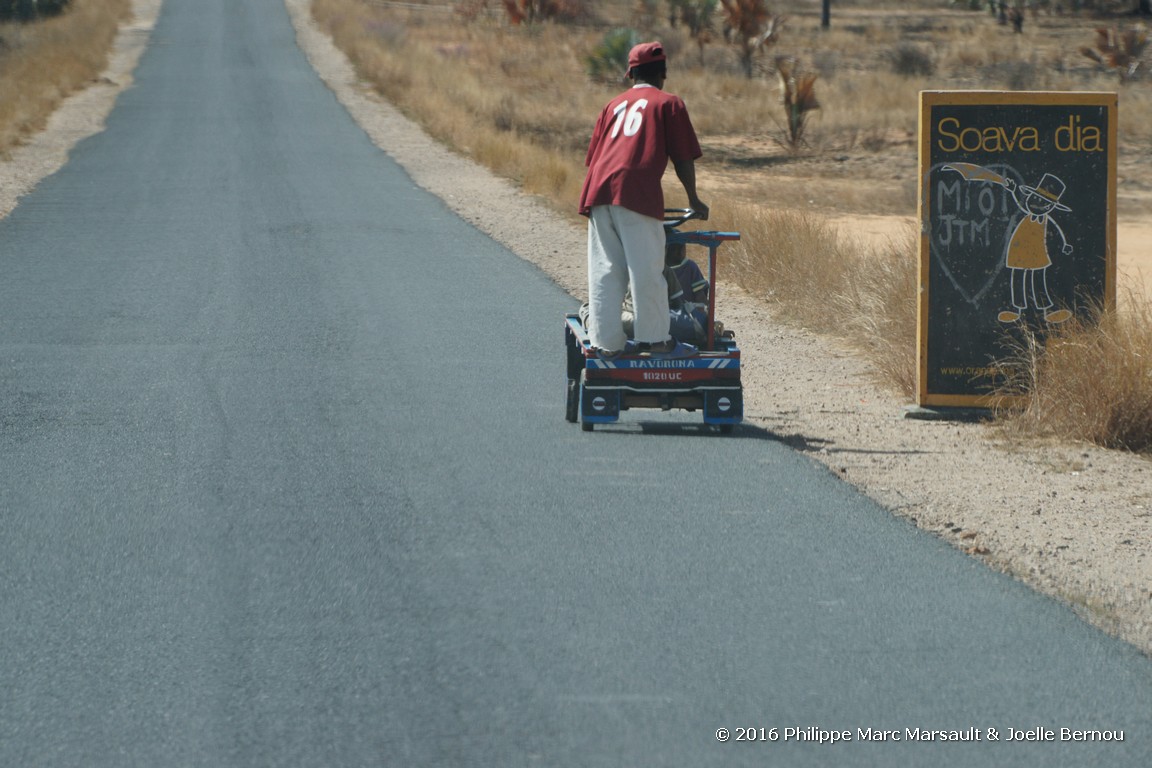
x=572 y=409
x=584 y=425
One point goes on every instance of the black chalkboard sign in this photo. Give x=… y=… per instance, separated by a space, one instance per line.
x=1018 y=227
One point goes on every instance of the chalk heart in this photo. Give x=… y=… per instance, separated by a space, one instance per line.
x=970 y=227
x=972 y=270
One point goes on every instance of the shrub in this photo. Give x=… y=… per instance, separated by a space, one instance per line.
x=1054 y=387
x=609 y=60
x=911 y=61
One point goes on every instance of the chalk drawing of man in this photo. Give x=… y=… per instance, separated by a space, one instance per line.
x=1027 y=253
x=1027 y=256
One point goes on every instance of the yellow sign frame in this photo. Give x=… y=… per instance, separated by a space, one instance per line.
x=972 y=151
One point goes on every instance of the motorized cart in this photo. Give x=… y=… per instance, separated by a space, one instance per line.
x=600 y=390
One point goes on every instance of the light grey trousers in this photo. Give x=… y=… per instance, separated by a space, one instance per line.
x=625 y=247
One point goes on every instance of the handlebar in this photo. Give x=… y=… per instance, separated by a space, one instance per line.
x=674 y=217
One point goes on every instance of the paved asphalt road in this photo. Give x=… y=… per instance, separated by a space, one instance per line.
x=286 y=482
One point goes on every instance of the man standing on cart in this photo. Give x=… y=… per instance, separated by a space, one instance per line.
x=637 y=133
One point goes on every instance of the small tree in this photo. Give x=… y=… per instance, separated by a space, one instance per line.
x=798 y=95
x=697 y=15
x=1119 y=49
x=749 y=25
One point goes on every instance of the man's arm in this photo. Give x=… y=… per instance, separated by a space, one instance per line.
x=686 y=172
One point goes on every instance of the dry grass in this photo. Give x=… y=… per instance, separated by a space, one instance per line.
x=462 y=80
x=42 y=63
x=789 y=257
x=517 y=99
x=440 y=72
x=820 y=280
x=1090 y=380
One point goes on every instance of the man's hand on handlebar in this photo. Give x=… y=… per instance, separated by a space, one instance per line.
x=674 y=217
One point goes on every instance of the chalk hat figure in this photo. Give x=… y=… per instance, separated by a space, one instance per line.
x=1051 y=188
x=1027 y=255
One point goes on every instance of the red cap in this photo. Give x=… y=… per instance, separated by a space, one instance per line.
x=645 y=53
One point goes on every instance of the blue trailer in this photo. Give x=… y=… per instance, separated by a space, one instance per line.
x=600 y=390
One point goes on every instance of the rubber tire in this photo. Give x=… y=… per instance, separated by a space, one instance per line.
x=584 y=425
x=572 y=407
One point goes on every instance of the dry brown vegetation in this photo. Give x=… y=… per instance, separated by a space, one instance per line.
x=823 y=281
x=1063 y=392
x=42 y=62
x=517 y=99
x=484 y=85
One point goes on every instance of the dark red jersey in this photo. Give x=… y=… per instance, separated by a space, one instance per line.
x=636 y=135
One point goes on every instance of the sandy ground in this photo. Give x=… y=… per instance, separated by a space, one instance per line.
x=1071 y=520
